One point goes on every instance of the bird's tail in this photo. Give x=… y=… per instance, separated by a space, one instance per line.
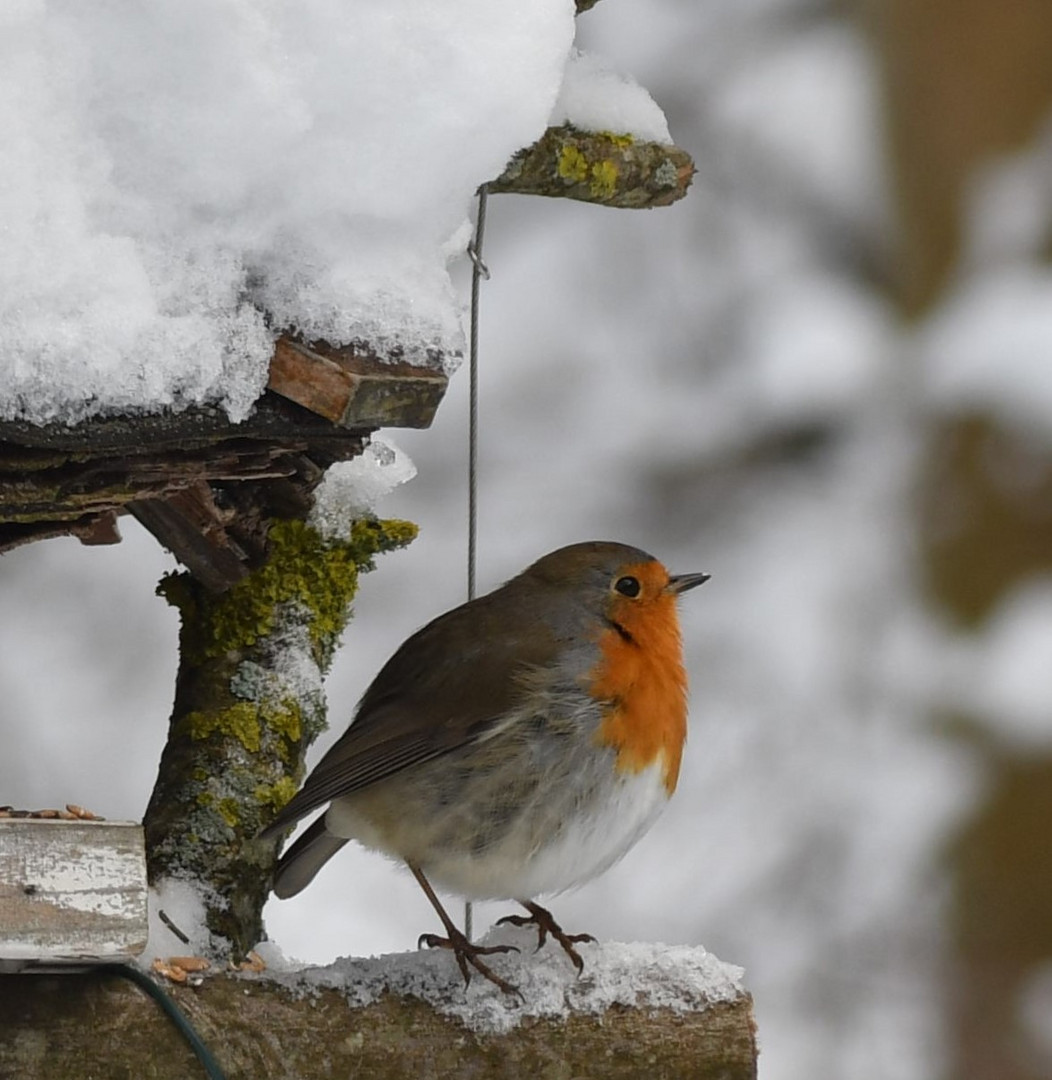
x=310 y=852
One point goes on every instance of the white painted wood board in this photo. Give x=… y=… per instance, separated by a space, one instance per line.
x=71 y=891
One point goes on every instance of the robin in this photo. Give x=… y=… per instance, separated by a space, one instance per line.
x=514 y=747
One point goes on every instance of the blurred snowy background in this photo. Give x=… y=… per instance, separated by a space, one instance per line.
x=825 y=377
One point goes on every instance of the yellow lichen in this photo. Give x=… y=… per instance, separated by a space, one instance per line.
x=573 y=165
x=239 y=721
x=303 y=568
x=604 y=180
x=229 y=811
x=284 y=719
x=621 y=141
x=276 y=795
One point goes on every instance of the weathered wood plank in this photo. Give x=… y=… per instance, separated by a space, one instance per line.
x=346 y=384
x=194 y=529
x=71 y=890
x=323 y=402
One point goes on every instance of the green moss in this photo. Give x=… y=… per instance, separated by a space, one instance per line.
x=303 y=569
x=205 y=798
x=240 y=721
x=603 y=184
x=573 y=165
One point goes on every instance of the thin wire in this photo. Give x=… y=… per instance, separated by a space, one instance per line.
x=172 y=1011
x=479 y=270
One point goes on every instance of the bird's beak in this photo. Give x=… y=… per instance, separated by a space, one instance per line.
x=680 y=583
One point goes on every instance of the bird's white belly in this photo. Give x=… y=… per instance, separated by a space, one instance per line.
x=586 y=841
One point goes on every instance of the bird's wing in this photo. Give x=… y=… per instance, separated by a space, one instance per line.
x=299 y=865
x=427 y=700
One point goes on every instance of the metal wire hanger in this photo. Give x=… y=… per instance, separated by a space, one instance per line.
x=479 y=270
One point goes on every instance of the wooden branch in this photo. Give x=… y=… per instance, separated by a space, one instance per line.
x=598 y=167
x=97 y=1025
x=241 y=724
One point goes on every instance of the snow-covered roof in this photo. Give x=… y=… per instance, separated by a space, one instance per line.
x=183 y=183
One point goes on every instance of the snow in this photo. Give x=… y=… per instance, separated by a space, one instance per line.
x=184 y=904
x=798 y=100
x=1002 y=676
x=171 y=172
x=818 y=345
x=989 y=346
x=637 y=975
x=594 y=97
x=1009 y=211
x=291 y=673
x=353 y=489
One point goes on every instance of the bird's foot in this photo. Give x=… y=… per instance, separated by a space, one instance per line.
x=546 y=924
x=467 y=952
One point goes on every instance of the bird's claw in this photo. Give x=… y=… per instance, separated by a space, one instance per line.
x=545 y=923
x=467 y=952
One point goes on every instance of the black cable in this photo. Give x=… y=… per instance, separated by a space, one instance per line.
x=174 y=1013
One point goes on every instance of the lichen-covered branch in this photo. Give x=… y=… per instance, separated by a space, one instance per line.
x=248 y=703
x=599 y=167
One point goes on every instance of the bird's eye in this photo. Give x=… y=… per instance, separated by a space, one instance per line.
x=627 y=586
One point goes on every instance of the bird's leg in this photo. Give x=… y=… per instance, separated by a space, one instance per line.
x=546 y=924
x=465 y=951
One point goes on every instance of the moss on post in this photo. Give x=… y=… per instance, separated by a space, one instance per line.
x=248 y=704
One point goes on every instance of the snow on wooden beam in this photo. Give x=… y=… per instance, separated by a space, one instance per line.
x=637 y=1011
x=348 y=385
x=71 y=891
x=58 y=480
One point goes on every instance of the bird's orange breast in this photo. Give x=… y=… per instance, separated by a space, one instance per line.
x=640 y=677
